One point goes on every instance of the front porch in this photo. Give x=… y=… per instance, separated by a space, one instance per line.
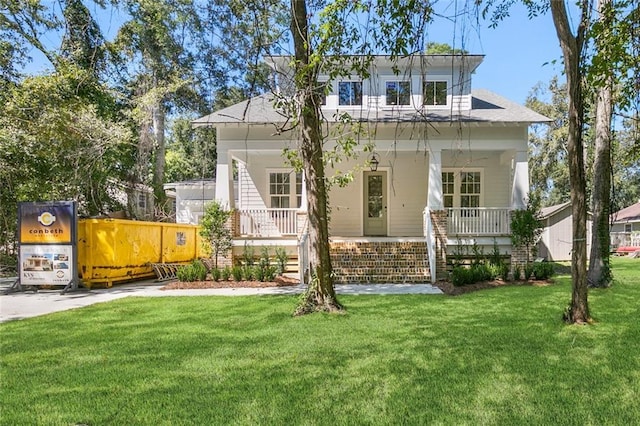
x=385 y=259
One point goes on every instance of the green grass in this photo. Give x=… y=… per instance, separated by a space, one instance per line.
x=500 y=356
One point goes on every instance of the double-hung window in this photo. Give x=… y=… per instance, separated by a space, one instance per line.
x=285 y=189
x=462 y=189
x=434 y=93
x=350 y=93
x=398 y=93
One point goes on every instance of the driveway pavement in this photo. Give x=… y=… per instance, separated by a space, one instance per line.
x=17 y=305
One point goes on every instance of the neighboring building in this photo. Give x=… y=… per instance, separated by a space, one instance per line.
x=191 y=198
x=556 y=240
x=138 y=199
x=452 y=165
x=625 y=227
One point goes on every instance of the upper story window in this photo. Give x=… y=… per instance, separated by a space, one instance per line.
x=434 y=93
x=350 y=93
x=398 y=93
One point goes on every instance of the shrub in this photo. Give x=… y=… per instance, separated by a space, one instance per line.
x=270 y=273
x=281 y=259
x=216 y=274
x=478 y=272
x=236 y=272
x=195 y=271
x=528 y=271
x=248 y=255
x=226 y=273
x=258 y=273
x=543 y=270
x=247 y=272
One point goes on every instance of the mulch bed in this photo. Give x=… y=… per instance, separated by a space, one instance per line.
x=446 y=286
x=451 y=290
x=279 y=282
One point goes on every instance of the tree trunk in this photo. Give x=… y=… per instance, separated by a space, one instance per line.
x=599 y=274
x=320 y=295
x=572 y=47
x=158 y=116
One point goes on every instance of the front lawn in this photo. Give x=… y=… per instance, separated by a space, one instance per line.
x=498 y=356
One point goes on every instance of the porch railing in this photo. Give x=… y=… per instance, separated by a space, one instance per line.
x=619 y=239
x=268 y=222
x=478 y=221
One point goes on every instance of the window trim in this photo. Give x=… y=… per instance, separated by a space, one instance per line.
x=435 y=80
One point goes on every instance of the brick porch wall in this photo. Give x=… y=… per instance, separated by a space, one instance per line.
x=364 y=262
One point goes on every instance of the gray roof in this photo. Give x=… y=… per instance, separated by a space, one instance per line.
x=486 y=107
x=546 y=212
x=628 y=214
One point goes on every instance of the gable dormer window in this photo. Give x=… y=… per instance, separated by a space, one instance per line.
x=398 y=93
x=434 y=93
x=350 y=93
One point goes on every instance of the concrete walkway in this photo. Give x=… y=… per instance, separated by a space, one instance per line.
x=27 y=304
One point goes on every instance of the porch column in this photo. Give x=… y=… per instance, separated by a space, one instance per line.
x=520 y=188
x=434 y=198
x=224 y=180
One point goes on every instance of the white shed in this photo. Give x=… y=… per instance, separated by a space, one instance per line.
x=191 y=198
x=556 y=240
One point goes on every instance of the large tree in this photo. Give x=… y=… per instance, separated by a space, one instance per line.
x=154 y=55
x=573 y=45
x=599 y=273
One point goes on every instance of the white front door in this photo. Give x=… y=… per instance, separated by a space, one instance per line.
x=375 y=203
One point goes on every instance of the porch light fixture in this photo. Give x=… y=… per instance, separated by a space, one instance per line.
x=374 y=160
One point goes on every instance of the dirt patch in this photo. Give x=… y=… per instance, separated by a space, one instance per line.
x=448 y=288
x=279 y=282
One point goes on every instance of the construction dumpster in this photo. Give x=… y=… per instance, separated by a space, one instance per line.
x=117 y=250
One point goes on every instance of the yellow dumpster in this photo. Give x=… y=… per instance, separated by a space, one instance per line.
x=117 y=250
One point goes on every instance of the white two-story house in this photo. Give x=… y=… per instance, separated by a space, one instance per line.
x=448 y=166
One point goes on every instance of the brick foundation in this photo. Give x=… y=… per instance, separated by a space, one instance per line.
x=364 y=262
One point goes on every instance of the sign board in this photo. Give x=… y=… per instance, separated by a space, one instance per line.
x=47 y=233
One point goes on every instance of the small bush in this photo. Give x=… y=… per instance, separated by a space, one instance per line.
x=270 y=273
x=247 y=273
x=226 y=273
x=248 y=255
x=543 y=270
x=528 y=271
x=236 y=272
x=216 y=274
x=281 y=259
x=195 y=271
x=476 y=273
x=258 y=273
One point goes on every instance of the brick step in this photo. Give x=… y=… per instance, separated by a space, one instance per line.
x=380 y=262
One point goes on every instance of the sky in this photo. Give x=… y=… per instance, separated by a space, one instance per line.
x=519 y=53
